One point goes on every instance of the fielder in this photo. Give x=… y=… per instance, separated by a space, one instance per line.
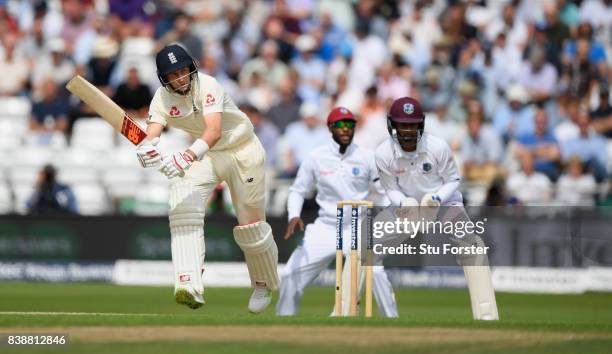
x=225 y=149
x=339 y=171
x=416 y=166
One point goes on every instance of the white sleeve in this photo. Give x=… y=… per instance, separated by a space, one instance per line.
x=447 y=190
x=156 y=114
x=449 y=173
x=374 y=176
x=303 y=184
x=389 y=183
x=212 y=97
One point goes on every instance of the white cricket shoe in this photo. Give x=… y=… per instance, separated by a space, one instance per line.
x=260 y=299
x=189 y=297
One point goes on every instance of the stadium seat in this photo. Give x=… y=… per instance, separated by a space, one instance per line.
x=79 y=157
x=16 y=106
x=23 y=175
x=9 y=141
x=121 y=174
x=91 y=199
x=12 y=131
x=72 y=175
x=23 y=193
x=6 y=199
x=5 y=162
x=152 y=200
x=33 y=156
x=123 y=156
x=56 y=141
x=122 y=182
x=93 y=134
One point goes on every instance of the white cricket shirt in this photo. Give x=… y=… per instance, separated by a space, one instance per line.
x=187 y=112
x=430 y=168
x=335 y=176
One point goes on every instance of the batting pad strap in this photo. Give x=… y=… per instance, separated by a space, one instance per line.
x=260 y=252
x=187 y=219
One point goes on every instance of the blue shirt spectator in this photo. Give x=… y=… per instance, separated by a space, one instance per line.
x=590 y=147
x=333 y=38
x=310 y=68
x=516 y=117
x=543 y=145
x=597 y=51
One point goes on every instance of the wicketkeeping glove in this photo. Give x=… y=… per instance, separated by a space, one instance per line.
x=431 y=200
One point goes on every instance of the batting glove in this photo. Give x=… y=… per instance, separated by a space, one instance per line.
x=148 y=154
x=176 y=164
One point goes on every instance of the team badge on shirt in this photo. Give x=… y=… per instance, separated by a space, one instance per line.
x=427 y=167
x=210 y=99
x=355 y=171
x=174 y=112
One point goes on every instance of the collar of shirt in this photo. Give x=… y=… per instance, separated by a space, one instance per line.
x=421 y=147
x=334 y=147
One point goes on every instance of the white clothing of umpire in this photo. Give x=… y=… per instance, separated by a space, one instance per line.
x=225 y=149
x=338 y=171
x=416 y=166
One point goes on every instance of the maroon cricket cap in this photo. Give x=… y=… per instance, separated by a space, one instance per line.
x=406 y=110
x=340 y=113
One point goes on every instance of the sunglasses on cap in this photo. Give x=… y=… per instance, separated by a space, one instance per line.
x=343 y=124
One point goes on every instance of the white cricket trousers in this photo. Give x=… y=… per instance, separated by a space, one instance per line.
x=314 y=254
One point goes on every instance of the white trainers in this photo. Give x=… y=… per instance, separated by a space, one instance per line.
x=260 y=299
x=189 y=297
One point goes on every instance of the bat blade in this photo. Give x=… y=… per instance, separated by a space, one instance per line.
x=107 y=109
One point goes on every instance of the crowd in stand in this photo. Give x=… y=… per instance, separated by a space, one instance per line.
x=519 y=89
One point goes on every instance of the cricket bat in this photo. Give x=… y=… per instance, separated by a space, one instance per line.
x=107 y=109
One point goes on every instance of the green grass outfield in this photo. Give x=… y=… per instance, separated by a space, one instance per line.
x=101 y=318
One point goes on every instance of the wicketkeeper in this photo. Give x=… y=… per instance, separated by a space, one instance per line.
x=417 y=168
x=225 y=148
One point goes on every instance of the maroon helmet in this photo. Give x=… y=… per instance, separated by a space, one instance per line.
x=340 y=113
x=406 y=110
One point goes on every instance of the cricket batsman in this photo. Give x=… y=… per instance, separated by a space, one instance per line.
x=417 y=168
x=225 y=148
x=338 y=171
